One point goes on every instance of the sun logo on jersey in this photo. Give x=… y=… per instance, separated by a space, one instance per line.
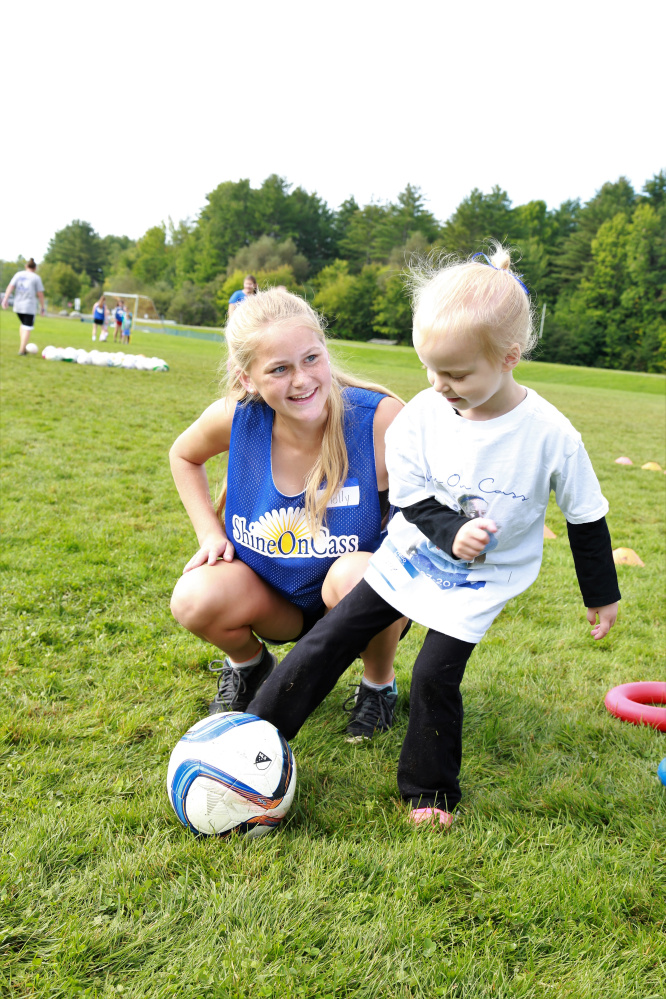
x=284 y=527
x=285 y=534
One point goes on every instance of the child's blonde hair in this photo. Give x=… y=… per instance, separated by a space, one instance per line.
x=487 y=301
x=244 y=332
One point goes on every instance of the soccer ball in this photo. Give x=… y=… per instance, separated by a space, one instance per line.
x=31 y=348
x=231 y=772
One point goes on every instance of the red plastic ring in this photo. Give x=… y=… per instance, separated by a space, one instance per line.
x=634 y=702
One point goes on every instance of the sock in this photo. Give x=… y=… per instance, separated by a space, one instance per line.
x=248 y=662
x=380 y=686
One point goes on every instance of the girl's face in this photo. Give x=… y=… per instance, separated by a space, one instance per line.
x=477 y=386
x=292 y=374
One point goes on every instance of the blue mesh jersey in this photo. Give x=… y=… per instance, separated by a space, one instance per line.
x=269 y=530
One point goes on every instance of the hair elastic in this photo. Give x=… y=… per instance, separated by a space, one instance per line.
x=516 y=277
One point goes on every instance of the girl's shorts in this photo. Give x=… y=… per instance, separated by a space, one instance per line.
x=98 y=322
x=26 y=319
x=310 y=618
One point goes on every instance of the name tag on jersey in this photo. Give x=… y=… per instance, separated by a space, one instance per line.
x=349 y=495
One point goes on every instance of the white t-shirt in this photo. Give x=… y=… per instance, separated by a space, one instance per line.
x=503 y=469
x=26 y=286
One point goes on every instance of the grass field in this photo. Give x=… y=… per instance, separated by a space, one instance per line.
x=553 y=882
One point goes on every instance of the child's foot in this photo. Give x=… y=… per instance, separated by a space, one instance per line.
x=436 y=817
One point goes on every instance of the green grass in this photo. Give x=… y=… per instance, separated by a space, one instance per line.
x=552 y=884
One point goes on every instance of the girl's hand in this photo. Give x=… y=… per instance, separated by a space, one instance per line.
x=211 y=551
x=607 y=616
x=472 y=538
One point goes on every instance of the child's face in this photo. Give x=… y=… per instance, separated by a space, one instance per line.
x=477 y=386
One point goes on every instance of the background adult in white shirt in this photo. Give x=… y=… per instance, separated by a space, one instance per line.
x=27 y=287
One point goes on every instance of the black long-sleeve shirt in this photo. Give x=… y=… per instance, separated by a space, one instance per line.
x=590 y=547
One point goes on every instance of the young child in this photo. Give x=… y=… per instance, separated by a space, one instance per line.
x=471 y=464
x=127 y=326
x=118 y=315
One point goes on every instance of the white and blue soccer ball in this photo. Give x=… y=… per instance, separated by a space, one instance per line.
x=231 y=772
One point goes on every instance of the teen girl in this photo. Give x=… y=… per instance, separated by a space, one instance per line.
x=305 y=501
x=471 y=462
x=249 y=288
x=100 y=315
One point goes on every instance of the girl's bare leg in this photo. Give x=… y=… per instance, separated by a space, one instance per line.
x=227 y=602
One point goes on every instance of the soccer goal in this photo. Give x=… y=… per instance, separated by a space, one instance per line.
x=141 y=306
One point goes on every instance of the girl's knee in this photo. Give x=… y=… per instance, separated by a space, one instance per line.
x=183 y=601
x=221 y=596
x=193 y=604
x=343 y=576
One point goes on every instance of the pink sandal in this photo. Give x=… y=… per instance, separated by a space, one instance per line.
x=433 y=816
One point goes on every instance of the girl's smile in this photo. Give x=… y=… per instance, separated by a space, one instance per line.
x=303 y=398
x=292 y=374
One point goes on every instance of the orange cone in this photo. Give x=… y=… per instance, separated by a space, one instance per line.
x=626 y=556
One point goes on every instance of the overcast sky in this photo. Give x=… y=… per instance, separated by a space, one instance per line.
x=123 y=114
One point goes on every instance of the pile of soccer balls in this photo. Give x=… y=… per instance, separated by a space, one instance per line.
x=104 y=358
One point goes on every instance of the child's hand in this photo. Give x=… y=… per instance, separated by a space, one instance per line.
x=472 y=538
x=211 y=551
x=607 y=616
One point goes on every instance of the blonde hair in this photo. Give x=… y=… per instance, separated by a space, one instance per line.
x=244 y=333
x=485 y=301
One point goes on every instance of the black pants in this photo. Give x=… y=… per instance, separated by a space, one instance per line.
x=429 y=762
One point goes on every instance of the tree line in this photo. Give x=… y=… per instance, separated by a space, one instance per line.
x=599 y=268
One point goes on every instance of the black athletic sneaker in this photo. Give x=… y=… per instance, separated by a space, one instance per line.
x=371 y=711
x=236 y=686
